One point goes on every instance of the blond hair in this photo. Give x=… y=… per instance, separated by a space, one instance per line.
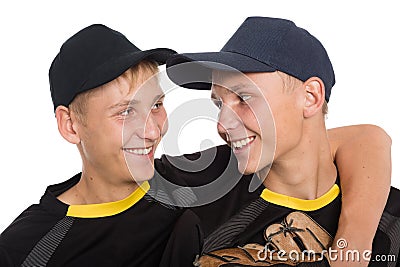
x=290 y=82
x=80 y=103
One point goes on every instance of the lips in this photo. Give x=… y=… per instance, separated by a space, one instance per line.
x=139 y=151
x=242 y=143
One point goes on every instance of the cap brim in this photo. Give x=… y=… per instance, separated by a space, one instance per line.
x=194 y=70
x=113 y=68
x=160 y=55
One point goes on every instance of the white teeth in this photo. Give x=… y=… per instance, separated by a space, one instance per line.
x=243 y=142
x=144 y=151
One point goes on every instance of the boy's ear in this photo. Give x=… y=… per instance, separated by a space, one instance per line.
x=314 y=96
x=66 y=125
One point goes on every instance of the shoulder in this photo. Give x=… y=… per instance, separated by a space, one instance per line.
x=30 y=220
x=197 y=168
x=17 y=240
x=341 y=137
x=24 y=232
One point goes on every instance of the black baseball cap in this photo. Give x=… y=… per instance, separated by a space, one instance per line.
x=92 y=57
x=261 y=44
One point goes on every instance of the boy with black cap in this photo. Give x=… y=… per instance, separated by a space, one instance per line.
x=104 y=215
x=271 y=82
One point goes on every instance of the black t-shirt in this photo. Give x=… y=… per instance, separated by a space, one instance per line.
x=52 y=233
x=239 y=223
x=269 y=225
x=148 y=231
x=278 y=222
x=227 y=190
x=130 y=232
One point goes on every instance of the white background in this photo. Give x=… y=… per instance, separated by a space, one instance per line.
x=361 y=38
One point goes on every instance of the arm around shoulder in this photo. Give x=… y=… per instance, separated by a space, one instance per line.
x=363 y=158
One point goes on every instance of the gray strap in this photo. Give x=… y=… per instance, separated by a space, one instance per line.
x=226 y=233
x=44 y=249
x=390 y=225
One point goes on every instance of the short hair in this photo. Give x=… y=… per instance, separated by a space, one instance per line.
x=290 y=82
x=80 y=103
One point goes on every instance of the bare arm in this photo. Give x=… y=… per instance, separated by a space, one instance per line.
x=363 y=158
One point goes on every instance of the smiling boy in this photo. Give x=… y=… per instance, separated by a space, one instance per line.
x=271 y=82
x=103 y=215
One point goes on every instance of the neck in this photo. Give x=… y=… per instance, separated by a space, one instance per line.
x=94 y=189
x=307 y=171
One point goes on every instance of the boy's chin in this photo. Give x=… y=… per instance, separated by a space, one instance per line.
x=247 y=169
x=244 y=169
x=143 y=176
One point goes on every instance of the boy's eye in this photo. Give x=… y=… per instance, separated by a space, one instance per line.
x=217 y=103
x=244 y=97
x=157 y=105
x=126 y=112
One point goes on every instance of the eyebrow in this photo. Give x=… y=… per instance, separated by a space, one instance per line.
x=238 y=87
x=124 y=103
x=159 y=97
x=232 y=89
x=132 y=102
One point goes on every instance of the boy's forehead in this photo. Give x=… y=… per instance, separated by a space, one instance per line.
x=232 y=82
x=219 y=76
x=138 y=82
x=128 y=89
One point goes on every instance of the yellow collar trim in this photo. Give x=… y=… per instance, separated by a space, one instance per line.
x=110 y=208
x=301 y=204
